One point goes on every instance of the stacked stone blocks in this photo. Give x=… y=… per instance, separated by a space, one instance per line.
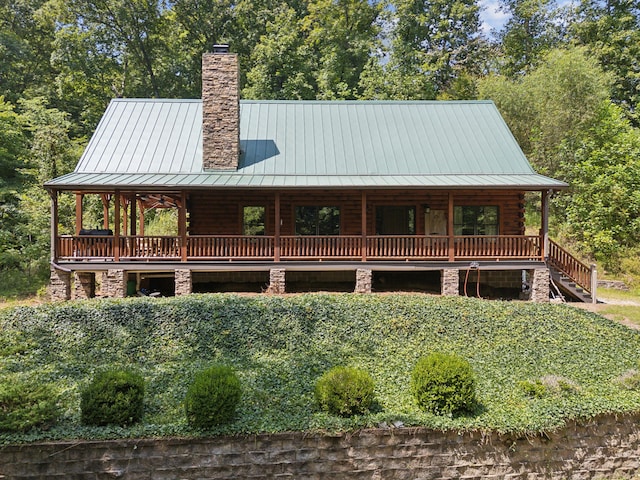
x=604 y=447
x=220 y=111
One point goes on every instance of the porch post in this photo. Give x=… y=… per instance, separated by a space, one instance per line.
x=79 y=198
x=276 y=240
x=545 y=224
x=105 y=210
x=452 y=250
x=141 y=218
x=182 y=226
x=116 y=226
x=363 y=246
x=133 y=215
x=54 y=225
x=125 y=218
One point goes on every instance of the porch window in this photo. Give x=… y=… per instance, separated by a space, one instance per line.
x=253 y=220
x=311 y=220
x=396 y=220
x=475 y=220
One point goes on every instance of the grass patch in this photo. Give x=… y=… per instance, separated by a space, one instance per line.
x=280 y=346
x=622 y=312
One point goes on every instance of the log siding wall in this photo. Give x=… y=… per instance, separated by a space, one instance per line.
x=220 y=213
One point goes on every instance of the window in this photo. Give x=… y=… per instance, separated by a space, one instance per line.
x=317 y=220
x=395 y=220
x=468 y=220
x=253 y=220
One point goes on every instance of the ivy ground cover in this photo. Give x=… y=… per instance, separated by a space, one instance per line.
x=536 y=365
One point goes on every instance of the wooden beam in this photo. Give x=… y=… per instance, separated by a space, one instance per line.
x=54 y=224
x=182 y=226
x=79 y=197
x=452 y=248
x=544 y=230
x=141 y=216
x=134 y=214
x=276 y=240
x=363 y=247
x=116 y=227
x=105 y=210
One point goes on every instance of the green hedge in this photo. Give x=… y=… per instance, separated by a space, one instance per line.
x=281 y=345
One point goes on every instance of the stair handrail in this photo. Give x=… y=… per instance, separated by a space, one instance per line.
x=565 y=262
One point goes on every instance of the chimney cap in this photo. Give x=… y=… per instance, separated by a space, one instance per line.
x=221 y=48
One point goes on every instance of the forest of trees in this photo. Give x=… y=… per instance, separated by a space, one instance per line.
x=566 y=79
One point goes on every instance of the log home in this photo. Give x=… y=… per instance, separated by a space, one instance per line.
x=294 y=195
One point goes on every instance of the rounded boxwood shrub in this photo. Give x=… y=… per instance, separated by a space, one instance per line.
x=25 y=404
x=114 y=397
x=443 y=384
x=345 y=391
x=212 y=397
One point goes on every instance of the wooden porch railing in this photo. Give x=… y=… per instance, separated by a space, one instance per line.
x=573 y=268
x=498 y=246
x=401 y=247
x=229 y=246
x=349 y=247
x=316 y=247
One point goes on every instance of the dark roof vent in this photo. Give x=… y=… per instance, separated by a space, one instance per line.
x=222 y=48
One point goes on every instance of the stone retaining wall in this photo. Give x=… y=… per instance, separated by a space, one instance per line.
x=606 y=447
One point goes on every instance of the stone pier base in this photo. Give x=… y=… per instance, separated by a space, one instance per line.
x=84 y=285
x=114 y=283
x=363 y=280
x=450 y=282
x=183 y=281
x=540 y=285
x=60 y=285
x=276 y=280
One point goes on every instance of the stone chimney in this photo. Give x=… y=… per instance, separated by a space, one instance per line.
x=220 y=110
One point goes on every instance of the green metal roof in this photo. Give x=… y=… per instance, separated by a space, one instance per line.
x=297 y=144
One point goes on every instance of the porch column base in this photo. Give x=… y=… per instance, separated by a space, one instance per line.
x=184 y=285
x=84 y=285
x=114 y=283
x=540 y=286
x=363 y=280
x=276 y=280
x=450 y=285
x=59 y=285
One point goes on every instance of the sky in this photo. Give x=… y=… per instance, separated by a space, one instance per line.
x=490 y=16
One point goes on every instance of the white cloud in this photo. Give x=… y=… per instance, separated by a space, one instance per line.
x=491 y=17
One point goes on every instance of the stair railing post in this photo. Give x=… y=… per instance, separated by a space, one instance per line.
x=594 y=283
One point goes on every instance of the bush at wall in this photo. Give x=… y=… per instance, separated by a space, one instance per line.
x=212 y=397
x=443 y=384
x=25 y=404
x=345 y=391
x=114 y=397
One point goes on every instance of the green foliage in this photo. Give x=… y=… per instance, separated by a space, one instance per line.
x=443 y=384
x=534 y=388
x=26 y=403
x=280 y=346
x=213 y=397
x=114 y=397
x=345 y=391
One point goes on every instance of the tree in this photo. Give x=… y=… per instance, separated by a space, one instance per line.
x=283 y=61
x=532 y=29
x=342 y=34
x=610 y=30
x=603 y=211
x=26 y=37
x=551 y=108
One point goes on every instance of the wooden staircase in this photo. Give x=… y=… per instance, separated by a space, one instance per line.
x=572 y=279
